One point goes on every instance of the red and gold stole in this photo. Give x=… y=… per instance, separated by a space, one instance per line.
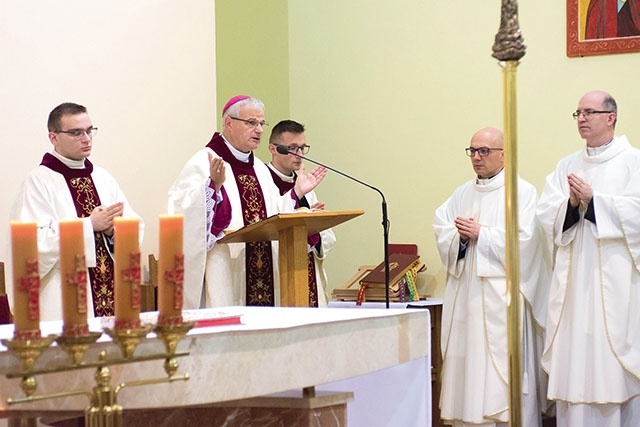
x=259 y=257
x=85 y=198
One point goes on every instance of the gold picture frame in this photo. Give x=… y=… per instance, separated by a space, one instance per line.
x=589 y=32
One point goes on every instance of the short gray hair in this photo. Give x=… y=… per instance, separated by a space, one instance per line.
x=235 y=108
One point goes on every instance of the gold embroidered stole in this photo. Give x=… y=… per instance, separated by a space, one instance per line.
x=86 y=199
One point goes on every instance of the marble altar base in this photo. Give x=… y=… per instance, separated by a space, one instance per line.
x=291 y=409
x=271 y=351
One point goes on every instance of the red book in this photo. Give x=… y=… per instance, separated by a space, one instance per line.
x=219 y=321
x=203 y=319
x=399 y=264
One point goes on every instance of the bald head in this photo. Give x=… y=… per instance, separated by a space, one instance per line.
x=491 y=136
x=492 y=163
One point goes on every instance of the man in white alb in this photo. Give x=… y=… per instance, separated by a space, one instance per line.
x=590 y=210
x=471 y=237
x=284 y=168
x=66 y=186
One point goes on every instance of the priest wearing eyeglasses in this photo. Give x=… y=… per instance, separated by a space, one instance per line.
x=67 y=186
x=284 y=170
x=224 y=185
x=590 y=209
x=471 y=239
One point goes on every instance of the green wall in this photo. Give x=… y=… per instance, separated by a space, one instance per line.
x=252 y=56
x=391 y=92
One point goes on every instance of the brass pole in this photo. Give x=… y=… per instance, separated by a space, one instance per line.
x=513 y=244
x=509 y=49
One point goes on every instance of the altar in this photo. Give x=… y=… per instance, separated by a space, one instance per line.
x=272 y=352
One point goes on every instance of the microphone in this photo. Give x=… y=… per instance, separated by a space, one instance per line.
x=283 y=149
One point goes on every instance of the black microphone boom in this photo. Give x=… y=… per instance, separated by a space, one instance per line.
x=283 y=149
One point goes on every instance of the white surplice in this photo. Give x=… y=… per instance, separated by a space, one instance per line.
x=592 y=350
x=474 y=318
x=221 y=269
x=45 y=199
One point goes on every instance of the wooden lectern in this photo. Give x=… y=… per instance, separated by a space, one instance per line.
x=291 y=230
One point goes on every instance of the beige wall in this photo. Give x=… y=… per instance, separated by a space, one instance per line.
x=144 y=69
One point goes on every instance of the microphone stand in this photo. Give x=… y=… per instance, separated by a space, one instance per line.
x=385 y=218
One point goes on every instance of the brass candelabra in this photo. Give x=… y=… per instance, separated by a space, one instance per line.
x=104 y=410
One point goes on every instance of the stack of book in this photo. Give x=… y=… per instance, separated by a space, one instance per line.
x=369 y=283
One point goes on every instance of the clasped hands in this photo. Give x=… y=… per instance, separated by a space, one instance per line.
x=468 y=228
x=579 y=190
x=102 y=217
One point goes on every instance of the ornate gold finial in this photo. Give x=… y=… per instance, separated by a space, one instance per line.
x=509 y=44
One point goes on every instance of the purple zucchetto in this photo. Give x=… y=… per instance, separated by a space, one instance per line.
x=232 y=101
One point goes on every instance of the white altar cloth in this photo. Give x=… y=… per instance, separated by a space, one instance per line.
x=273 y=350
x=406 y=400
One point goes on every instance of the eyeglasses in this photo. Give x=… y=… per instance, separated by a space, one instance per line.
x=251 y=122
x=304 y=149
x=588 y=113
x=483 y=151
x=79 y=133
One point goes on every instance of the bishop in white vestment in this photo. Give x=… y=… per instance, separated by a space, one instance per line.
x=235 y=273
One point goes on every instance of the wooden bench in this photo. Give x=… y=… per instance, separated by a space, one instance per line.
x=149 y=291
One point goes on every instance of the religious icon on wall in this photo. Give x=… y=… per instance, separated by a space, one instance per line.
x=598 y=27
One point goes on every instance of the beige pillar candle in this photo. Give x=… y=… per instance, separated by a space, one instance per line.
x=73 y=274
x=127 y=273
x=170 y=270
x=26 y=280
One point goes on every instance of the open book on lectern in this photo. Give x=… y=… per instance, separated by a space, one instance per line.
x=273 y=227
